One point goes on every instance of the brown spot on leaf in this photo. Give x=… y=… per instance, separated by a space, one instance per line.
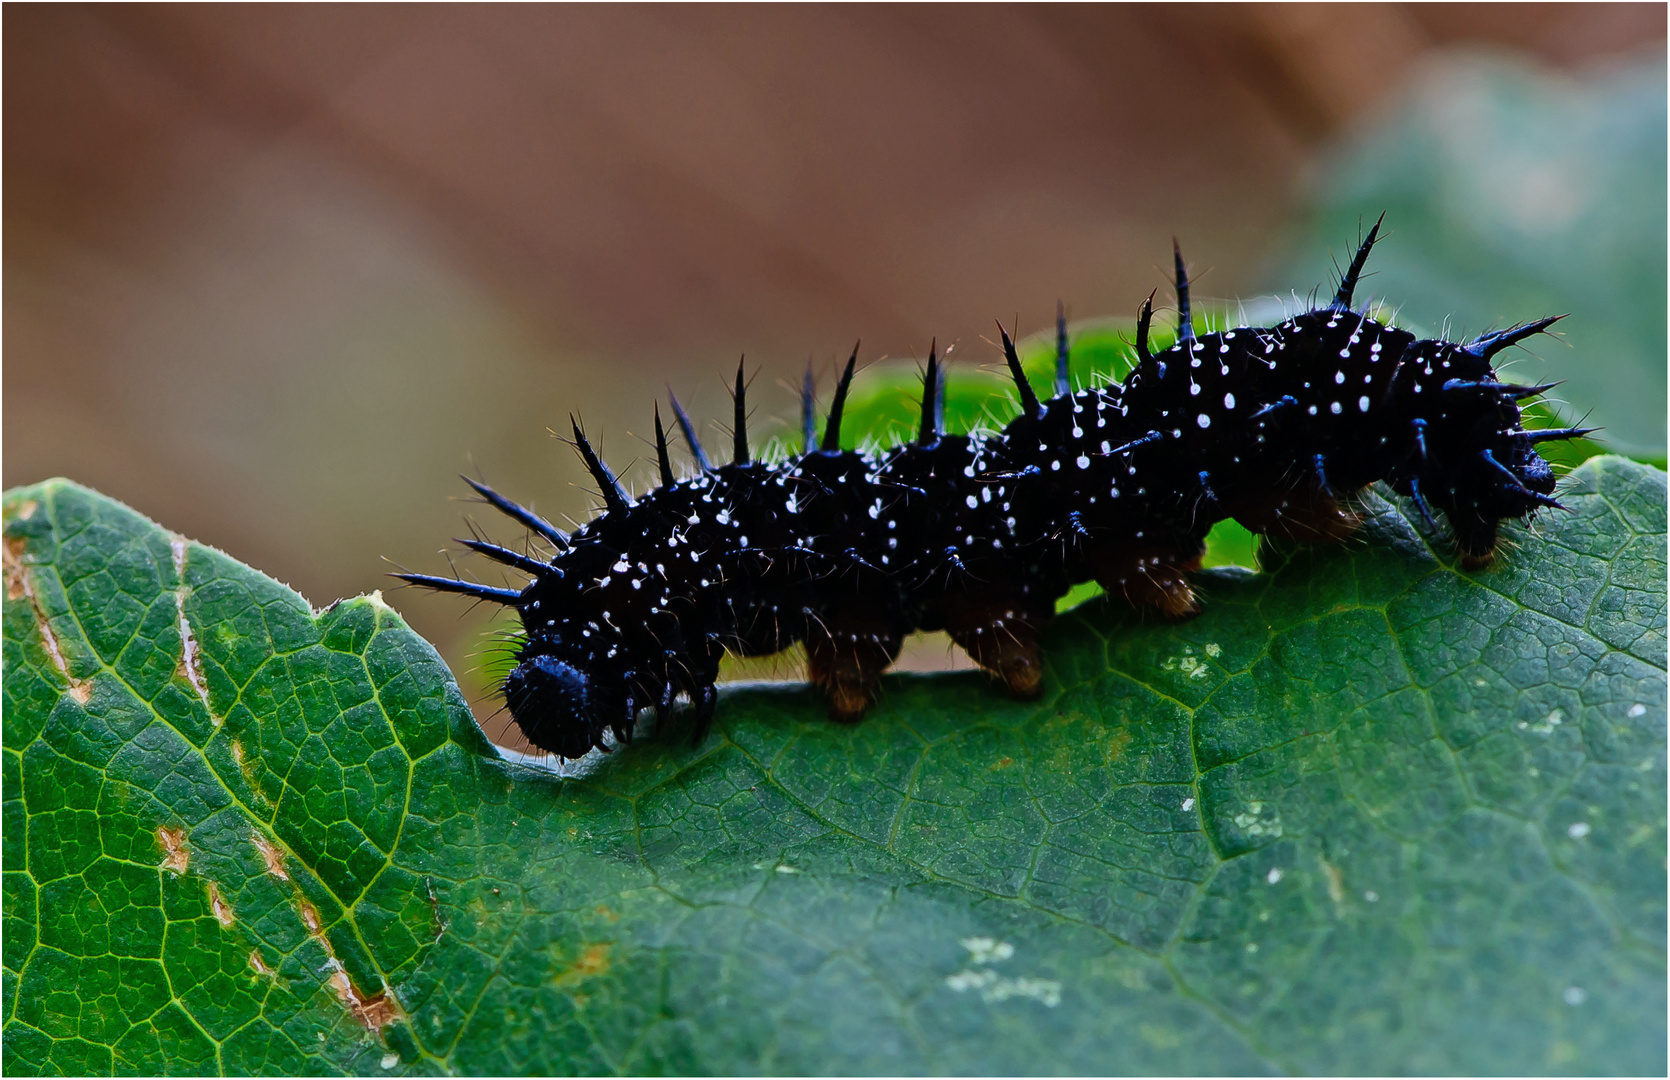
x=1117 y=742
x=173 y=841
x=592 y=961
x=19 y=586
x=259 y=964
x=1336 y=885
x=222 y=910
x=191 y=665
x=14 y=568
x=274 y=858
x=310 y=917
x=373 y=1012
x=27 y=510
x=603 y=910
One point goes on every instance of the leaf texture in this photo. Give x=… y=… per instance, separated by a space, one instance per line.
x=1368 y=813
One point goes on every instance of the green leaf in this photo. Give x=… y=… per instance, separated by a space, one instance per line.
x=1368 y=813
x=1512 y=192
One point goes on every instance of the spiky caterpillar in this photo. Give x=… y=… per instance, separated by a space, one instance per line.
x=979 y=535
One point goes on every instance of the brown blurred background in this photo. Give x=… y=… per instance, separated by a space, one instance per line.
x=274 y=274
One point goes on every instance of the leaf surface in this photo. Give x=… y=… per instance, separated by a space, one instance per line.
x=1366 y=814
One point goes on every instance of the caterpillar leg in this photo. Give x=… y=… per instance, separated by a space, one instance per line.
x=846 y=658
x=1305 y=514
x=1001 y=635
x=1476 y=539
x=1152 y=578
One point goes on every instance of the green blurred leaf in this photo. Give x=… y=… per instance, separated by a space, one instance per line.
x=1366 y=814
x=1513 y=192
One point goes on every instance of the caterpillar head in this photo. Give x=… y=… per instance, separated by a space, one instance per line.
x=558 y=704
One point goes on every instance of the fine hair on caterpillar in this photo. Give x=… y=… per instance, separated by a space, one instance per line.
x=846 y=552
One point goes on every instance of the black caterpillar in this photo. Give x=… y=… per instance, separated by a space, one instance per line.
x=979 y=535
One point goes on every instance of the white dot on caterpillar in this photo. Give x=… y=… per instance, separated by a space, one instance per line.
x=1362 y=403
x=1203 y=420
x=985 y=494
x=972 y=502
x=1055 y=466
x=1229 y=401
x=1313 y=410
x=1083 y=462
x=1334 y=407
x=621 y=566
x=1194 y=388
x=1339 y=377
x=1223 y=348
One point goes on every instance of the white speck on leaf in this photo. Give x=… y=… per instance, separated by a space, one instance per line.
x=390 y=1060
x=994 y=987
x=1252 y=821
x=1578 y=830
x=1575 y=995
x=985 y=950
x=1637 y=710
x=1371 y=896
x=1214 y=650
x=1188 y=665
x=1274 y=875
x=1189 y=803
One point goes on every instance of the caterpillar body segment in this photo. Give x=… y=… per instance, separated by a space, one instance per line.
x=848 y=552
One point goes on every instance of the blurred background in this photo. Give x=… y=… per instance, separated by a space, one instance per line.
x=275 y=274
